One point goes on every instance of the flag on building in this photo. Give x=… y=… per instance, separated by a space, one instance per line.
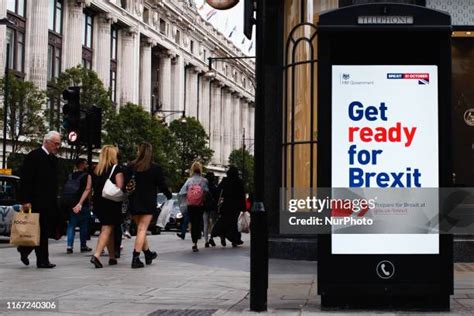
x=243 y=41
x=251 y=46
x=232 y=31
x=210 y=14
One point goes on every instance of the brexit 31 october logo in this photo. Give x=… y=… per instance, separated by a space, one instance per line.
x=423 y=78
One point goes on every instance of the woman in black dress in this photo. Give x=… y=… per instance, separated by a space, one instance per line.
x=142 y=202
x=108 y=212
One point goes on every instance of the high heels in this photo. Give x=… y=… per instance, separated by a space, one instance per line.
x=96 y=262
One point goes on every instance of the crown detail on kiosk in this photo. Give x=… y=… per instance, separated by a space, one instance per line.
x=384 y=122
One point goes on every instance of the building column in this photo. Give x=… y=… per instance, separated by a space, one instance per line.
x=3 y=37
x=73 y=32
x=37 y=37
x=130 y=67
x=145 y=75
x=102 y=53
x=238 y=123
x=216 y=122
x=204 y=106
x=165 y=83
x=177 y=73
x=228 y=125
x=191 y=91
x=244 y=119
x=252 y=124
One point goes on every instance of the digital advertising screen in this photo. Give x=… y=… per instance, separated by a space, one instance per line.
x=385 y=135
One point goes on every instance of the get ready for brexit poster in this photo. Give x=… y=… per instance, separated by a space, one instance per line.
x=385 y=135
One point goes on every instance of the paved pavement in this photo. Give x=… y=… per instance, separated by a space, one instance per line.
x=212 y=281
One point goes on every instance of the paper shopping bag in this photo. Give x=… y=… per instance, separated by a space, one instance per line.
x=25 y=229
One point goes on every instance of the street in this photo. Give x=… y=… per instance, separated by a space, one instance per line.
x=212 y=281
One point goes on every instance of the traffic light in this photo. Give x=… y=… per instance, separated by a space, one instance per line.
x=72 y=114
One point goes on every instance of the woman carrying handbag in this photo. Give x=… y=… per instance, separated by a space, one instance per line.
x=107 y=182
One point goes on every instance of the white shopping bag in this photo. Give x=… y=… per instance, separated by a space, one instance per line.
x=243 y=224
x=165 y=213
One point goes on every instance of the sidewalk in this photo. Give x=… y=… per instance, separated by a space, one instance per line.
x=212 y=281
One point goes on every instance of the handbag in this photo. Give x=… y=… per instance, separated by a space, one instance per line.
x=243 y=223
x=25 y=230
x=111 y=191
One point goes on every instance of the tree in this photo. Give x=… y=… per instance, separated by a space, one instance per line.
x=192 y=142
x=243 y=160
x=133 y=125
x=93 y=92
x=25 y=123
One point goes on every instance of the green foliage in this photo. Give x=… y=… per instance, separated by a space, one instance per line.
x=192 y=142
x=244 y=161
x=93 y=92
x=25 y=123
x=133 y=125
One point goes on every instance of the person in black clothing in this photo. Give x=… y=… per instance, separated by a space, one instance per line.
x=78 y=207
x=107 y=211
x=232 y=192
x=210 y=209
x=142 y=201
x=38 y=192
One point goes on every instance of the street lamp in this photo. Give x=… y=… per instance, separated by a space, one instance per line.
x=6 y=22
x=183 y=114
x=222 y=4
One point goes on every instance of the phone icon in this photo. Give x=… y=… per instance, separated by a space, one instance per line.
x=385 y=269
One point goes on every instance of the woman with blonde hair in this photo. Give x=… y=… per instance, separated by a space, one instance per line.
x=107 y=211
x=195 y=190
x=142 y=201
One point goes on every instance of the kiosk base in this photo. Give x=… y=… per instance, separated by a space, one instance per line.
x=411 y=303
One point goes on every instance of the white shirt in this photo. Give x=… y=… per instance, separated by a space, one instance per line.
x=45 y=150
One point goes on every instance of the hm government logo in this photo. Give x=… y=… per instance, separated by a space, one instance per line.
x=346 y=76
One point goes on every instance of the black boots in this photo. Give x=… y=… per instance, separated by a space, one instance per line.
x=149 y=256
x=136 y=262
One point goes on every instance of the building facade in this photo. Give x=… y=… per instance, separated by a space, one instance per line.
x=150 y=52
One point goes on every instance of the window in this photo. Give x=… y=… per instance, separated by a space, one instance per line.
x=54 y=61
x=177 y=38
x=55 y=16
x=146 y=15
x=192 y=47
x=17 y=7
x=204 y=54
x=123 y=4
x=87 y=41
x=88 y=29
x=15 y=38
x=113 y=43
x=162 y=26
x=113 y=63
x=113 y=86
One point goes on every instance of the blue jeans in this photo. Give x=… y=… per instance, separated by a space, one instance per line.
x=82 y=220
x=185 y=223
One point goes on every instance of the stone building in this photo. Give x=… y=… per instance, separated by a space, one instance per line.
x=151 y=52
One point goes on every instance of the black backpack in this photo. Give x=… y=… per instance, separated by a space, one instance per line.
x=71 y=189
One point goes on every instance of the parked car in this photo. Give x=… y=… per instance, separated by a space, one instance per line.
x=9 y=203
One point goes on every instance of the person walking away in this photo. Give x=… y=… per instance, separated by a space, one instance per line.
x=210 y=210
x=76 y=198
x=142 y=201
x=107 y=211
x=231 y=190
x=195 y=190
x=38 y=192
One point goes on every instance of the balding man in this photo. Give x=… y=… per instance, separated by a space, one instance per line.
x=38 y=192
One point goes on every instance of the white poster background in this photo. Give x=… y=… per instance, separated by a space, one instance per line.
x=414 y=105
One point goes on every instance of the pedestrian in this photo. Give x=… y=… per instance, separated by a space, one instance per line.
x=195 y=190
x=38 y=192
x=76 y=198
x=107 y=211
x=148 y=177
x=210 y=210
x=231 y=191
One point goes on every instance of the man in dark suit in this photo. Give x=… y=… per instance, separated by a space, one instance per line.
x=38 y=192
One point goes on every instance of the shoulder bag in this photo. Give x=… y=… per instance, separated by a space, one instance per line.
x=111 y=191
